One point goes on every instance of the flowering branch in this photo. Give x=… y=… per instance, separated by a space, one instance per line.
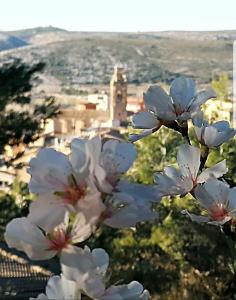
x=75 y=194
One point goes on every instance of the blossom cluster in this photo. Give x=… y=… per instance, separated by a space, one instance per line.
x=78 y=193
x=84 y=272
x=206 y=185
x=75 y=195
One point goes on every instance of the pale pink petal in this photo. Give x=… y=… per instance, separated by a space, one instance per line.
x=142 y=193
x=59 y=288
x=188 y=158
x=210 y=136
x=49 y=171
x=182 y=91
x=95 y=148
x=40 y=297
x=157 y=101
x=24 y=236
x=218 y=170
x=47 y=211
x=132 y=291
x=91 y=206
x=171 y=182
x=117 y=157
x=218 y=190
x=81 y=229
x=204 y=198
x=134 y=137
x=196 y=218
x=81 y=266
x=202 y=97
x=129 y=216
x=232 y=200
x=101 y=260
x=80 y=156
x=145 y=120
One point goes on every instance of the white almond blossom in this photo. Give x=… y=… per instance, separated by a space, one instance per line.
x=141 y=193
x=212 y=135
x=103 y=165
x=132 y=291
x=88 y=269
x=162 y=109
x=25 y=236
x=128 y=203
x=48 y=211
x=124 y=211
x=61 y=187
x=60 y=288
x=180 y=181
x=219 y=201
x=108 y=162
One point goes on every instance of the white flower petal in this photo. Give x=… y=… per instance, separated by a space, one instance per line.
x=182 y=91
x=142 y=193
x=221 y=125
x=218 y=190
x=79 y=155
x=47 y=211
x=135 y=137
x=199 y=133
x=132 y=291
x=188 y=158
x=81 y=229
x=101 y=260
x=145 y=120
x=25 y=236
x=117 y=157
x=50 y=170
x=210 y=135
x=196 y=218
x=171 y=182
x=205 y=199
x=223 y=137
x=160 y=103
x=213 y=135
x=94 y=148
x=81 y=266
x=201 y=98
x=218 y=170
x=40 y=297
x=232 y=200
x=129 y=216
x=198 y=119
x=91 y=206
x=59 y=288
x=220 y=222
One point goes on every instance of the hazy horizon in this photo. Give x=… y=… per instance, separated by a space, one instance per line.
x=117 y=31
x=120 y=15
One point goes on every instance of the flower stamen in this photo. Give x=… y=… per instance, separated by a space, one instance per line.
x=59 y=240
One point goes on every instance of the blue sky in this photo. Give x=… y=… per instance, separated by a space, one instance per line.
x=119 y=15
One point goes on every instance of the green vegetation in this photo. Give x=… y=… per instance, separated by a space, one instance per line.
x=14 y=204
x=21 y=122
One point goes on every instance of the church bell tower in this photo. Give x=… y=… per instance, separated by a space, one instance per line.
x=118 y=96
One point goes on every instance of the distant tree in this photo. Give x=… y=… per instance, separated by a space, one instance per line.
x=221 y=85
x=21 y=122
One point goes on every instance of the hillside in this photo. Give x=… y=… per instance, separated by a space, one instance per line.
x=8 y=41
x=76 y=58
